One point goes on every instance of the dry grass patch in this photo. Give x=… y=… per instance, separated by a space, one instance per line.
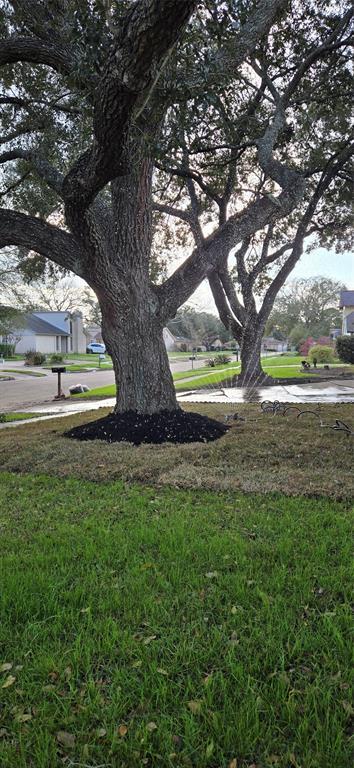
x=264 y=454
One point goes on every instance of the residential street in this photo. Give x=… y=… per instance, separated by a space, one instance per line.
x=26 y=390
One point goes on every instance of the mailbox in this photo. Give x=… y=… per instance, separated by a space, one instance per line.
x=59 y=370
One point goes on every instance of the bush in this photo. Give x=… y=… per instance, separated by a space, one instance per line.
x=56 y=358
x=306 y=345
x=7 y=350
x=321 y=354
x=222 y=360
x=345 y=348
x=34 y=358
x=219 y=360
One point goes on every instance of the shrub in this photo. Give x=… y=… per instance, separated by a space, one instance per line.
x=34 y=358
x=7 y=350
x=306 y=345
x=222 y=360
x=56 y=358
x=210 y=362
x=321 y=354
x=2 y=418
x=345 y=348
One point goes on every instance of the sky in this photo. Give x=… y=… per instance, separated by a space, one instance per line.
x=318 y=263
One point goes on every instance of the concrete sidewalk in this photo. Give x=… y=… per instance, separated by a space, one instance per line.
x=318 y=392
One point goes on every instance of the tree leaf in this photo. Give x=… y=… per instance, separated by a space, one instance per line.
x=122 y=730
x=6 y=666
x=162 y=671
x=9 y=681
x=66 y=739
x=195 y=707
x=346 y=706
x=100 y=733
x=151 y=727
x=233 y=763
x=149 y=639
x=209 y=749
x=23 y=718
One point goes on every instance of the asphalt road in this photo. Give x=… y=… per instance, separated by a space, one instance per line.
x=25 y=390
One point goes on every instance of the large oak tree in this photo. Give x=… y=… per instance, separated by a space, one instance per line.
x=87 y=98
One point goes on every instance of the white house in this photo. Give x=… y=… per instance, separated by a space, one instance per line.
x=346 y=304
x=50 y=332
x=269 y=344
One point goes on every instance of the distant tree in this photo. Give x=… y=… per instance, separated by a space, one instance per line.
x=11 y=321
x=48 y=295
x=199 y=326
x=307 y=307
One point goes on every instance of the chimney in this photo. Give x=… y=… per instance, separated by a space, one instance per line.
x=78 y=339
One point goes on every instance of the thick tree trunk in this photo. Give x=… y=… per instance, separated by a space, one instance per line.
x=251 y=368
x=143 y=376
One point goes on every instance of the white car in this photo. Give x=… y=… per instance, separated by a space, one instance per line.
x=95 y=348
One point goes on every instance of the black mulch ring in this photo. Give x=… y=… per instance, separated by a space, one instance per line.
x=167 y=426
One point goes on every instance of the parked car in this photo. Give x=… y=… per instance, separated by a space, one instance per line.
x=95 y=348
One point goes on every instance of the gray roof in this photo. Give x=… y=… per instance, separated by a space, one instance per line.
x=43 y=328
x=346 y=299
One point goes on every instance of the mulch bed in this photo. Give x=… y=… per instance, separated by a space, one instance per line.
x=167 y=426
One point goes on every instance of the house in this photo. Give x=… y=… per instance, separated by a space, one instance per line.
x=50 y=332
x=346 y=304
x=334 y=333
x=183 y=344
x=93 y=333
x=178 y=343
x=216 y=344
x=169 y=339
x=269 y=344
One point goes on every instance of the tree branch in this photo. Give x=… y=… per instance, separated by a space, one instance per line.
x=43 y=238
x=226 y=317
x=230 y=57
x=39 y=164
x=185 y=280
x=35 y=51
x=332 y=167
x=147 y=34
x=169 y=210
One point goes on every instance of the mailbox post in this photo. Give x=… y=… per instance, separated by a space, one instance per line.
x=60 y=395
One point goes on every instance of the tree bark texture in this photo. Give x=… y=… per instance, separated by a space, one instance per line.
x=251 y=368
x=141 y=366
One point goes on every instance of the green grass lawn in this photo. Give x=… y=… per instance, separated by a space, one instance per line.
x=278 y=367
x=160 y=627
x=14 y=416
x=211 y=376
